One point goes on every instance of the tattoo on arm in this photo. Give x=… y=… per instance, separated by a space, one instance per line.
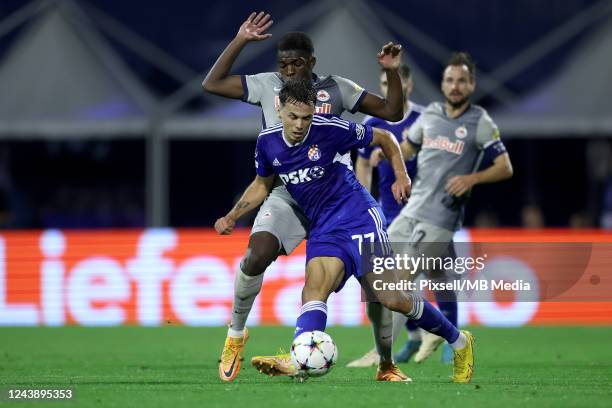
x=241 y=204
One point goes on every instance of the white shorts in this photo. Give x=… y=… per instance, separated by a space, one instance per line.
x=282 y=217
x=417 y=238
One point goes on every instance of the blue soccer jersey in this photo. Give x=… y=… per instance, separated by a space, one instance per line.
x=341 y=212
x=386 y=177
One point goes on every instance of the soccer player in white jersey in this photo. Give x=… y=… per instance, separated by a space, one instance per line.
x=451 y=141
x=280 y=224
x=367 y=160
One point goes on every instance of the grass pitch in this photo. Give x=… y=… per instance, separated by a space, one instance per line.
x=177 y=366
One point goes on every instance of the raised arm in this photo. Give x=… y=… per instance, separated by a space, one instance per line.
x=252 y=197
x=390 y=147
x=218 y=81
x=392 y=107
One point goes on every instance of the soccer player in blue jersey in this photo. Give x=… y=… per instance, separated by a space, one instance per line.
x=306 y=151
x=280 y=225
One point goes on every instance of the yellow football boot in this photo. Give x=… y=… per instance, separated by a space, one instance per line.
x=463 y=363
x=278 y=365
x=229 y=364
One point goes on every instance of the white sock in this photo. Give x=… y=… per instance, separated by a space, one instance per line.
x=235 y=333
x=246 y=289
x=460 y=343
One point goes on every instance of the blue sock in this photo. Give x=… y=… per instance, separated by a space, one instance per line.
x=447 y=303
x=411 y=325
x=427 y=317
x=313 y=316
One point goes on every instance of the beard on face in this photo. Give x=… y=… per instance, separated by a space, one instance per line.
x=458 y=103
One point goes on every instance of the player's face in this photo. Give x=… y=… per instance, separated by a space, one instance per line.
x=457 y=85
x=295 y=64
x=296 y=118
x=406 y=85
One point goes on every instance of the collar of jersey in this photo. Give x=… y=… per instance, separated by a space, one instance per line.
x=298 y=143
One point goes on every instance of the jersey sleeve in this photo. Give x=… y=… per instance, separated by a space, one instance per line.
x=352 y=94
x=356 y=136
x=488 y=138
x=253 y=86
x=262 y=166
x=366 y=152
x=415 y=133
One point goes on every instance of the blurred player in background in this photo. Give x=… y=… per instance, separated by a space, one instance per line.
x=364 y=166
x=303 y=151
x=450 y=141
x=280 y=225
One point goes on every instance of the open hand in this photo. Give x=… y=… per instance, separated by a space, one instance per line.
x=255 y=26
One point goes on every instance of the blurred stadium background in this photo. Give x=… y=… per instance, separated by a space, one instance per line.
x=114 y=163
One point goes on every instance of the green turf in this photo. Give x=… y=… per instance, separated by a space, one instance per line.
x=177 y=366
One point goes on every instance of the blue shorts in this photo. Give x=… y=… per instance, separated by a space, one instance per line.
x=345 y=242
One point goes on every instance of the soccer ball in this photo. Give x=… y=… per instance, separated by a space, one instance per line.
x=313 y=353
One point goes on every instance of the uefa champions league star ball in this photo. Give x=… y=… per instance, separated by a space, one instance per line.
x=314 y=354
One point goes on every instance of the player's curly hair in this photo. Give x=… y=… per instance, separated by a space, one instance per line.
x=298 y=91
x=295 y=40
x=458 y=59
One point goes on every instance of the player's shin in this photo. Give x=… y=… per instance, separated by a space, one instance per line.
x=246 y=289
x=382 y=328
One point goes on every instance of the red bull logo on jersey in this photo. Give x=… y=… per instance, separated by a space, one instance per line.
x=314 y=153
x=324 y=108
x=303 y=175
x=443 y=143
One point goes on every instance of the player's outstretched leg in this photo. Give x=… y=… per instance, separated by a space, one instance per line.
x=427 y=317
x=262 y=251
x=447 y=303
x=323 y=276
x=313 y=316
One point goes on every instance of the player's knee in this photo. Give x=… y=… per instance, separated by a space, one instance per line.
x=255 y=263
x=263 y=250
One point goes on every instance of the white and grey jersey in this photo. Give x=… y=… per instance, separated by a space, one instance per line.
x=335 y=94
x=447 y=147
